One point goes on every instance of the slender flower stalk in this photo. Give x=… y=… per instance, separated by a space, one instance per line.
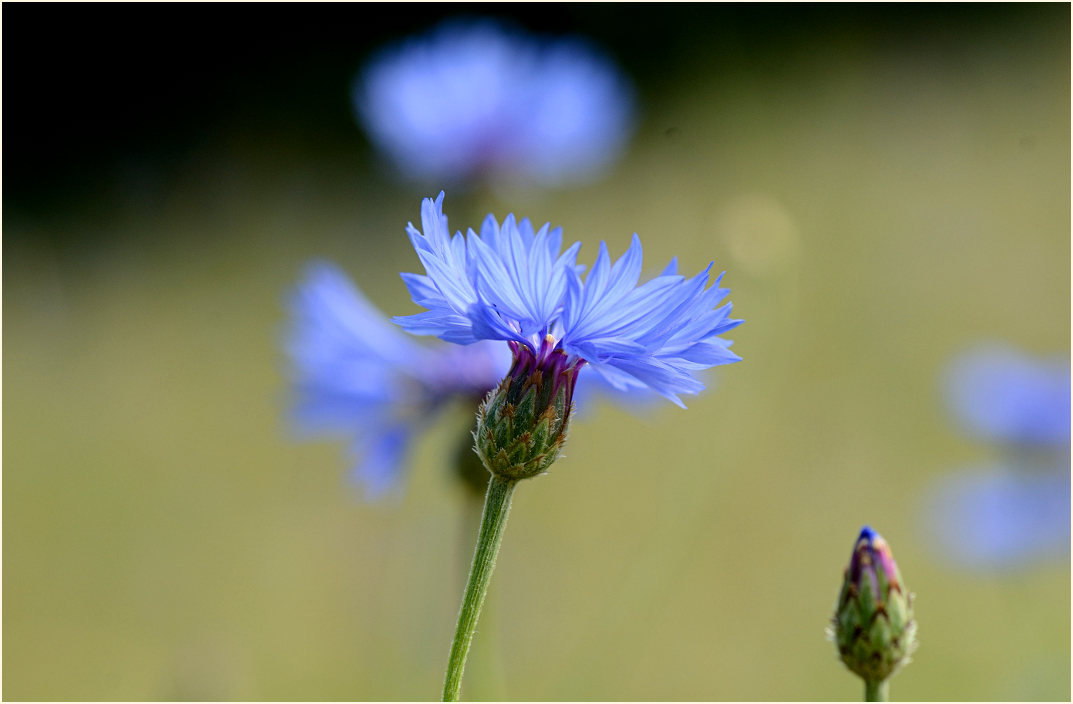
x=516 y=284
x=493 y=521
x=877 y=691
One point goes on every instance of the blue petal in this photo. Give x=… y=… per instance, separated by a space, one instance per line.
x=378 y=460
x=506 y=284
x=658 y=334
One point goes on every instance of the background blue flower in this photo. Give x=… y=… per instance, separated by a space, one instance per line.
x=1000 y=516
x=472 y=99
x=358 y=376
x=1003 y=395
x=1014 y=512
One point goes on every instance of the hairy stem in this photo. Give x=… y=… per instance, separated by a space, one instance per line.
x=876 y=691
x=494 y=519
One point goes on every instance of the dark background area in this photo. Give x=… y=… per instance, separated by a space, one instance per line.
x=91 y=87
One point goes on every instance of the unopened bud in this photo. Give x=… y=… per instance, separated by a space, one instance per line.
x=874 y=627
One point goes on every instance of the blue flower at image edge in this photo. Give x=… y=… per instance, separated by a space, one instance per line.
x=1001 y=394
x=1014 y=512
x=515 y=283
x=1000 y=517
x=477 y=99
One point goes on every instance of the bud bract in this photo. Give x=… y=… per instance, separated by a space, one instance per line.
x=522 y=423
x=468 y=468
x=874 y=627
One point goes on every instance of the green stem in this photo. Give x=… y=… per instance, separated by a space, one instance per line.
x=876 y=691
x=496 y=508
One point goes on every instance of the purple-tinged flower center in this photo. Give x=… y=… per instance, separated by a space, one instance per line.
x=547 y=362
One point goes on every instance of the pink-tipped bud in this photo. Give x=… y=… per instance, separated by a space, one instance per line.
x=874 y=627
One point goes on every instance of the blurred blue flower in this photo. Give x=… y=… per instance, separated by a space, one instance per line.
x=477 y=99
x=1000 y=517
x=1006 y=396
x=357 y=375
x=514 y=283
x=1016 y=511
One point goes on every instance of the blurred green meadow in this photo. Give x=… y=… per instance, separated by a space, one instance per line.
x=878 y=206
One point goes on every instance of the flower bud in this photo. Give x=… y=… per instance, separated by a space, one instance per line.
x=874 y=627
x=521 y=425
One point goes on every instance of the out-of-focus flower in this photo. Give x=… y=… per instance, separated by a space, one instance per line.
x=1006 y=396
x=514 y=283
x=478 y=100
x=1016 y=511
x=358 y=376
x=1000 y=517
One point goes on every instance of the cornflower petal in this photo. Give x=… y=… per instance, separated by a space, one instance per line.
x=448 y=288
x=377 y=459
x=507 y=283
x=658 y=333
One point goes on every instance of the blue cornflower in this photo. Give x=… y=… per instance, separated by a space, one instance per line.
x=357 y=375
x=515 y=283
x=1016 y=510
x=1000 y=516
x=480 y=100
x=1003 y=395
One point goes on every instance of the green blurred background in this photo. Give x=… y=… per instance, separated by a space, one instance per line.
x=885 y=185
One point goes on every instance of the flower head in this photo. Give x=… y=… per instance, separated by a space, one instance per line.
x=514 y=283
x=355 y=374
x=478 y=99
